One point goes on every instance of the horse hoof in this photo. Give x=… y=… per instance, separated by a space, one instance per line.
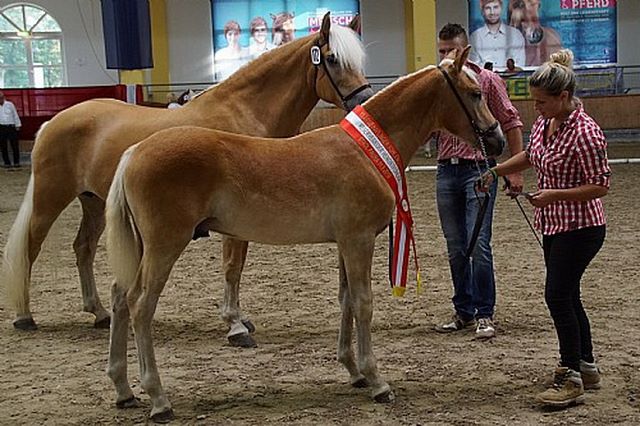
x=360 y=383
x=132 y=402
x=103 y=323
x=385 y=397
x=249 y=325
x=242 y=340
x=163 y=417
x=26 y=324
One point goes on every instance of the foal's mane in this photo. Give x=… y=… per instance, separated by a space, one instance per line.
x=343 y=41
x=409 y=78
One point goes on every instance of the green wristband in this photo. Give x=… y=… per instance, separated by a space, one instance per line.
x=494 y=173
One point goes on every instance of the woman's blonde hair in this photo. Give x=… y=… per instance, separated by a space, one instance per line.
x=556 y=74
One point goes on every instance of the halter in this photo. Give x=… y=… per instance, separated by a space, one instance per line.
x=481 y=137
x=481 y=134
x=317 y=60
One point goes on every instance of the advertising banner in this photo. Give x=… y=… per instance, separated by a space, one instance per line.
x=528 y=31
x=244 y=29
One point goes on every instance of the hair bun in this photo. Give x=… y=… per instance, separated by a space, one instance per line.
x=562 y=57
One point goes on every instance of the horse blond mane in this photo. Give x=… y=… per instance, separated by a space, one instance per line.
x=346 y=44
x=383 y=91
x=410 y=76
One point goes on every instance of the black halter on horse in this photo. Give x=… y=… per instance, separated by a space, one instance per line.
x=317 y=60
x=481 y=136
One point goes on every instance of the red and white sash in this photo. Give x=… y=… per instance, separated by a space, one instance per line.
x=377 y=145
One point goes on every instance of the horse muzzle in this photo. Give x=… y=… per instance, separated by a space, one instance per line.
x=351 y=101
x=495 y=144
x=494 y=141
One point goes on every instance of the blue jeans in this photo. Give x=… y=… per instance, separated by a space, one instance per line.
x=473 y=280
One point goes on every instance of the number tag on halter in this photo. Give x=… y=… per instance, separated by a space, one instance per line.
x=316 y=55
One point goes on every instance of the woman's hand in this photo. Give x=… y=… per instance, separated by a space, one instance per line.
x=543 y=197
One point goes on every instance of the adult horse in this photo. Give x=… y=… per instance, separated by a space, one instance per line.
x=313 y=188
x=76 y=153
x=540 y=42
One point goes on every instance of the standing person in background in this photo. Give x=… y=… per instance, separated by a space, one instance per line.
x=473 y=281
x=569 y=154
x=496 y=41
x=9 y=126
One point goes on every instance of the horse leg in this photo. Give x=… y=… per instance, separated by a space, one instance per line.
x=143 y=298
x=117 y=368
x=234 y=254
x=85 y=245
x=345 y=348
x=41 y=206
x=358 y=256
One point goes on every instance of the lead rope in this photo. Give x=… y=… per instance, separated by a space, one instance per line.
x=484 y=204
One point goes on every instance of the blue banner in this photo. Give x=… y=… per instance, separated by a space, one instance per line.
x=244 y=29
x=528 y=31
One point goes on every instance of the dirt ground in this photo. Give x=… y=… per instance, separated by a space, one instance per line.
x=56 y=375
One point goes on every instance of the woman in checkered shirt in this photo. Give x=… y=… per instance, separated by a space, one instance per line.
x=567 y=149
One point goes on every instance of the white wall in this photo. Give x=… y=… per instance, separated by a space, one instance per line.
x=190 y=41
x=383 y=36
x=628 y=32
x=81 y=23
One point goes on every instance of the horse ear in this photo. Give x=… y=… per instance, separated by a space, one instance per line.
x=355 y=24
x=325 y=28
x=461 y=58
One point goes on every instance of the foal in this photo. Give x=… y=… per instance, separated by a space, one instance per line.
x=313 y=188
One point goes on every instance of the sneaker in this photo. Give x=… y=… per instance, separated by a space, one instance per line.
x=456 y=324
x=485 y=329
x=566 y=389
x=590 y=375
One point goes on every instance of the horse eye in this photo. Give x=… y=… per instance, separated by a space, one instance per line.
x=476 y=96
x=332 y=59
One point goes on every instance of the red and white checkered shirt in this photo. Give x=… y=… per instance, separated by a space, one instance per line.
x=495 y=92
x=575 y=155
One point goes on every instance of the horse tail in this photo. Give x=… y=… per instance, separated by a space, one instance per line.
x=15 y=261
x=16 y=266
x=124 y=246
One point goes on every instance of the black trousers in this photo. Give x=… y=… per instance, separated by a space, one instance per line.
x=9 y=134
x=566 y=257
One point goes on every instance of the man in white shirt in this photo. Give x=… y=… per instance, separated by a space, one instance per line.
x=9 y=126
x=496 y=41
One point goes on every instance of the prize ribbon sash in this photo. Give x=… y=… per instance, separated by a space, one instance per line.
x=379 y=148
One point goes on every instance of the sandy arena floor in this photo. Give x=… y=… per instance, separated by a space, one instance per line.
x=56 y=374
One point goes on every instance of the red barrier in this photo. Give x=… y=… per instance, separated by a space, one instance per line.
x=35 y=106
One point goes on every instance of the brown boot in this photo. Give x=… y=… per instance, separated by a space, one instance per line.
x=590 y=375
x=589 y=372
x=567 y=389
